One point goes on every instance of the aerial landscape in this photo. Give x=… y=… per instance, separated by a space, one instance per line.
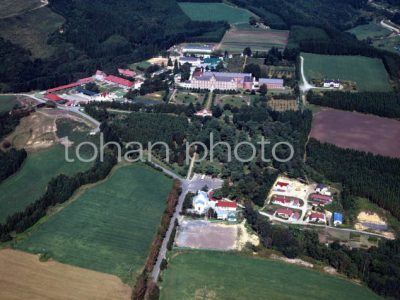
x=199 y=149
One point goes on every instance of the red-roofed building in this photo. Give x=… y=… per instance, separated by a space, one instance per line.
x=118 y=80
x=127 y=72
x=317 y=217
x=285 y=213
x=227 y=205
x=71 y=85
x=54 y=97
x=295 y=217
x=318 y=199
x=280 y=200
x=282 y=184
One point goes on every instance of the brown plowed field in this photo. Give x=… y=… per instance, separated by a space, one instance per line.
x=23 y=276
x=357 y=131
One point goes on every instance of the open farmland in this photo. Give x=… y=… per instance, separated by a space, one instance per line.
x=7 y=103
x=30 y=182
x=193 y=275
x=215 y=12
x=357 y=131
x=23 y=276
x=369 y=73
x=240 y=37
x=33 y=28
x=110 y=226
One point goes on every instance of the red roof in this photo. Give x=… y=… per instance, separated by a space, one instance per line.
x=280 y=183
x=316 y=215
x=71 y=85
x=54 y=97
x=127 y=72
x=284 y=211
x=320 y=197
x=86 y=80
x=119 y=80
x=295 y=216
x=282 y=199
x=226 y=204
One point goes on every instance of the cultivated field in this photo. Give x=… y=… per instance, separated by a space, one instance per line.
x=240 y=37
x=23 y=276
x=193 y=275
x=369 y=73
x=215 y=12
x=357 y=131
x=206 y=235
x=110 y=226
x=7 y=103
x=34 y=28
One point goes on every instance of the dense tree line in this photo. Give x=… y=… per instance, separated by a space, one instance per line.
x=378 y=103
x=378 y=267
x=371 y=176
x=8 y=122
x=59 y=190
x=10 y=162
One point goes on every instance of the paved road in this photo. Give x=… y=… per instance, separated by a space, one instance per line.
x=193 y=185
x=305 y=86
x=69 y=109
x=273 y=218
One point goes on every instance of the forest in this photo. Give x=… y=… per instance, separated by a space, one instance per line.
x=101 y=34
x=377 y=267
x=366 y=175
x=10 y=162
x=380 y=104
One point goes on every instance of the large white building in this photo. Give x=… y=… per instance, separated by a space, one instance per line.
x=222 y=81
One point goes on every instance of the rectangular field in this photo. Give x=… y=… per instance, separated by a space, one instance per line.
x=369 y=73
x=23 y=276
x=238 y=38
x=193 y=275
x=215 y=12
x=110 y=227
x=357 y=131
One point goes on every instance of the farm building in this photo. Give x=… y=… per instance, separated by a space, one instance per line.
x=331 y=84
x=223 y=81
x=127 y=73
x=337 y=219
x=271 y=83
x=53 y=97
x=323 y=189
x=284 y=213
x=317 y=217
x=205 y=49
x=119 y=81
x=204 y=113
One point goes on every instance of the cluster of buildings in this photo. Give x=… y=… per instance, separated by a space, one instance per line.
x=287 y=214
x=225 y=210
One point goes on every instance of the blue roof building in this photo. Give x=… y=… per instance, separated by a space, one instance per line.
x=337 y=219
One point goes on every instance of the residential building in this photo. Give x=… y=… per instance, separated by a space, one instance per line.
x=318 y=199
x=323 y=189
x=281 y=187
x=284 y=213
x=317 y=217
x=332 y=84
x=284 y=201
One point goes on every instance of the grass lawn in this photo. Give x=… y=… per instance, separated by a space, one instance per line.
x=7 y=103
x=30 y=182
x=110 y=226
x=233 y=100
x=8 y=8
x=369 y=73
x=33 y=29
x=188 y=97
x=372 y=30
x=215 y=12
x=215 y=275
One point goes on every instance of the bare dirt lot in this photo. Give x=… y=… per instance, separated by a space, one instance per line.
x=206 y=235
x=23 y=276
x=38 y=130
x=357 y=131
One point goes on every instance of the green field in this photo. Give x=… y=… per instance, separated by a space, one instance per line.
x=244 y=35
x=7 y=103
x=109 y=227
x=215 y=275
x=215 y=12
x=10 y=8
x=369 y=73
x=29 y=183
x=370 y=30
